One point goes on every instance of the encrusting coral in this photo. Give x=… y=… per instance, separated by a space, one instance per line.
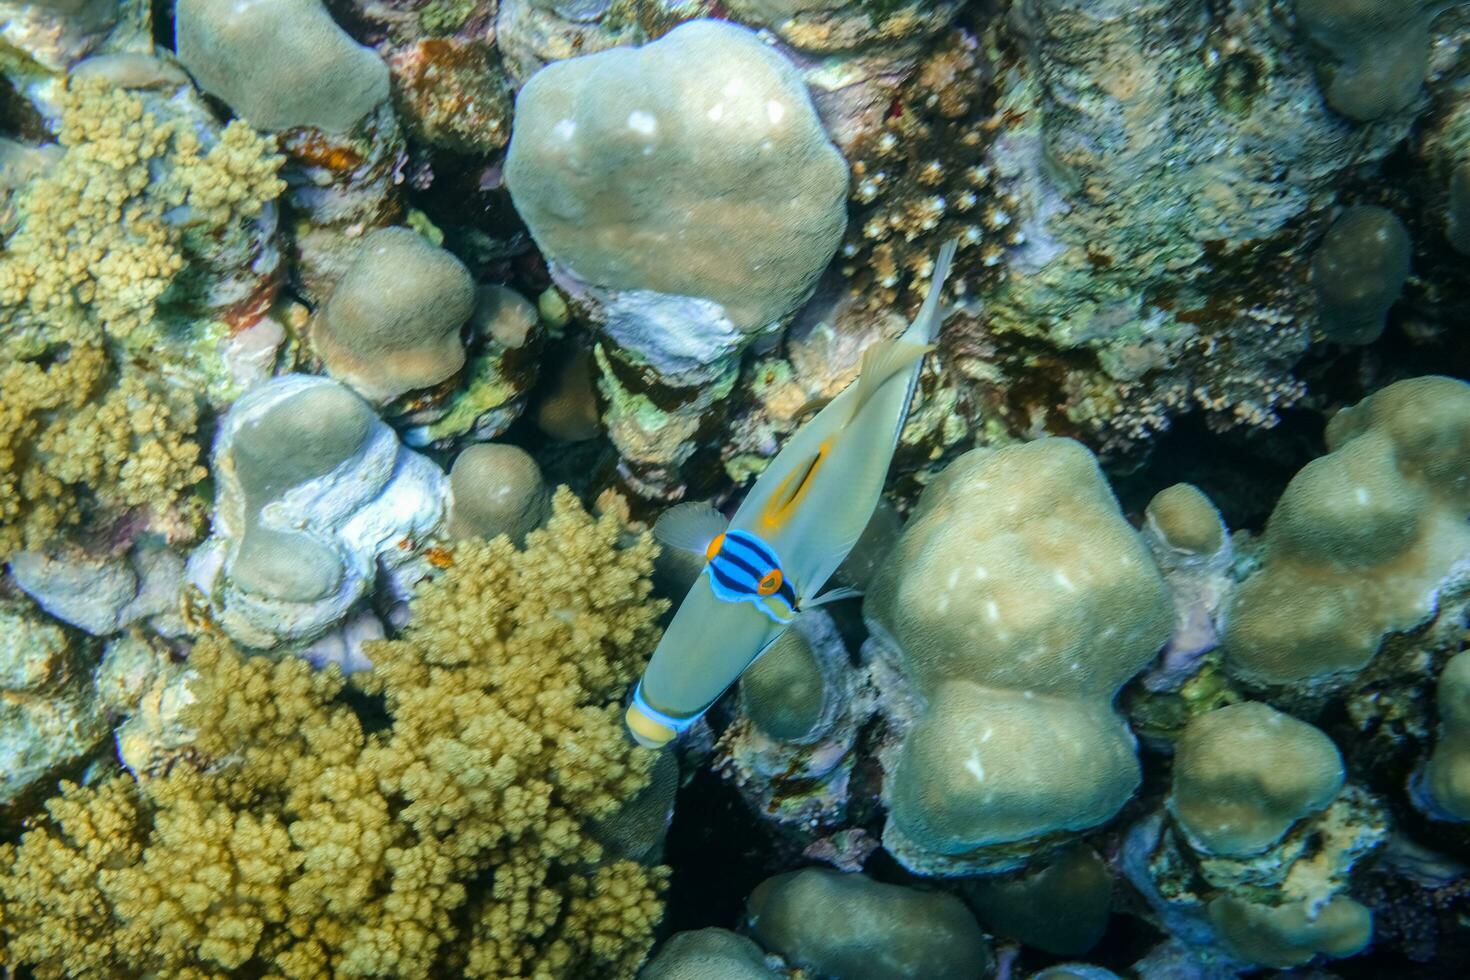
x=288 y=841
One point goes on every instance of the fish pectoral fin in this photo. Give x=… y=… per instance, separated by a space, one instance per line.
x=882 y=361
x=690 y=526
x=834 y=595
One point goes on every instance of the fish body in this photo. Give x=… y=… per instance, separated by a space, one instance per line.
x=793 y=530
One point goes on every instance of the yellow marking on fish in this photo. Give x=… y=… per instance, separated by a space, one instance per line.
x=782 y=505
x=713 y=548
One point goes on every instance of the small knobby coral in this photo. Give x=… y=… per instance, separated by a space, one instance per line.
x=107 y=230
x=456 y=841
x=78 y=432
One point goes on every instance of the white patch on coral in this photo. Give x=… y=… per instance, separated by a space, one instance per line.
x=642 y=123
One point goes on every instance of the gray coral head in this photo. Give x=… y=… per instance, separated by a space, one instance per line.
x=1377 y=52
x=496 y=489
x=1359 y=272
x=304 y=436
x=280 y=64
x=848 y=925
x=694 y=166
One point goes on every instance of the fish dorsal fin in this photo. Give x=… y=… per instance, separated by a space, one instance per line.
x=833 y=595
x=882 y=361
x=690 y=526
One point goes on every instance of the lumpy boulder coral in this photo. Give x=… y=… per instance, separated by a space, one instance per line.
x=1363 y=540
x=1245 y=773
x=393 y=322
x=694 y=166
x=1016 y=604
x=317 y=501
x=290 y=841
x=496 y=489
x=709 y=954
x=1377 y=52
x=848 y=925
x=280 y=63
x=1293 y=933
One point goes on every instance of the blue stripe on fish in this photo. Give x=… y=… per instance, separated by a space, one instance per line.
x=735 y=575
x=753 y=545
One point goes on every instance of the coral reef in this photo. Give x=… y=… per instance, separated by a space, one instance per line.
x=1015 y=605
x=1363 y=540
x=289 y=840
x=1153 y=653
x=849 y=925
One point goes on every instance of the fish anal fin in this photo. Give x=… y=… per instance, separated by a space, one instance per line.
x=882 y=361
x=689 y=526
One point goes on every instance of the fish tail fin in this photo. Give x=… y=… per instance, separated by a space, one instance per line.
x=925 y=327
x=882 y=361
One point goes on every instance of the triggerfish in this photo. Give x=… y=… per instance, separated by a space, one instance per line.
x=797 y=524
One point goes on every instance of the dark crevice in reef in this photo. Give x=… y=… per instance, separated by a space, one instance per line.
x=718 y=853
x=1242 y=470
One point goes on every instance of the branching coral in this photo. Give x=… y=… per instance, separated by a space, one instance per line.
x=100 y=237
x=105 y=233
x=76 y=433
x=289 y=842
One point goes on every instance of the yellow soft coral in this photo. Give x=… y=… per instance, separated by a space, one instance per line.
x=103 y=234
x=457 y=841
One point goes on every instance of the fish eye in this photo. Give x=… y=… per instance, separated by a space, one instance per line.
x=713 y=548
x=770 y=583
